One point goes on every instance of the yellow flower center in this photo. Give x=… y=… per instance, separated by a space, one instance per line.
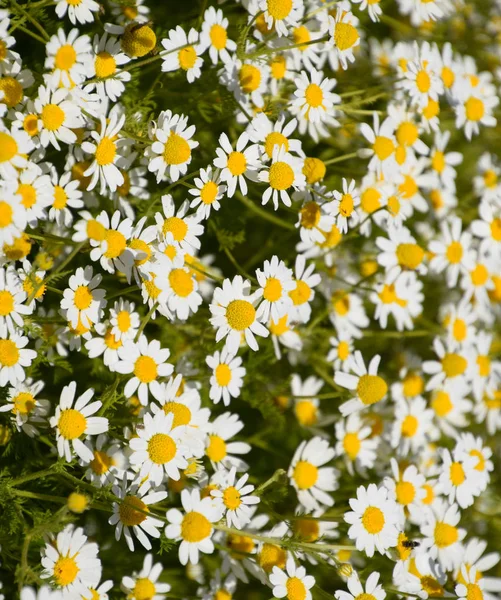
x=101 y=462
x=208 y=192
x=438 y=161
x=8 y=147
x=181 y=413
x=279 y=9
x=137 y=244
x=218 y=36
x=223 y=375
x=352 y=445
x=144 y=589
x=430 y=494
x=66 y=57
x=30 y=124
x=373 y=520
x=249 y=78
x=77 y=503
x=346 y=205
x=187 y=58
x=306 y=413
x=181 y=282
x=195 y=527
x=314 y=170
x=454 y=364
x=431 y=586
x=301 y=293
x=105 y=65
x=305 y=475
x=370 y=200
x=459 y=330
x=242 y=544
x=475 y=109
x=115 y=243
x=240 y=314
x=484 y=365
x=60 y=198
x=95 y=231
x=341 y=303
x=281 y=176
x=310 y=215
x=110 y=341
x=237 y=163
x=27 y=193
x=123 y=321
x=272 y=289
x=448 y=76
x=306 y=529
x=65 y=570
x=407 y=133
x=176 y=226
x=441 y=403
x=480 y=466
x=371 y=389
x=12 y=90
x=423 y=81
x=129 y=513
x=432 y=109
x=409 y=426
x=474 y=592
x=9 y=353
x=71 y=424
x=83 y=297
x=405 y=492
x=161 y=448
x=24 y=403
x=456 y=473
x=152 y=290
x=295 y=589
x=275 y=139
x=413 y=385
x=216 y=450
x=138 y=40
x=272 y=556
x=6 y=303
x=343 y=350
x=445 y=535
x=231 y=498
x=409 y=256
x=176 y=150
x=345 y=36
x=301 y=35
x=145 y=369
x=479 y=275
x=314 y=95
x=454 y=252
x=278 y=66
x=408 y=188
x=105 y=152
x=383 y=147
x=394 y=205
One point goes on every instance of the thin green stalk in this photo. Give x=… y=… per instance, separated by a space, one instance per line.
x=32 y=20
x=263 y=213
x=30 y=33
x=341 y=158
x=145 y=321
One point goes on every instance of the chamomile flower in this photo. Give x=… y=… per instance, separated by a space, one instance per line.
x=208 y=192
x=344 y=37
x=183 y=52
x=83 y=301
x=400 y=252
x=28 y=411
x=107 y=161
x=471 y=446
x=450 y=407
x=124 y=320
x=79 y=11
x=178 y=289
x=355 y=442
x=268 y=134
x=452 y=253
x=15 y=145
x=372 y=588
x=314 y=98
x=160 y=449
x=65 y=195
x=35 y=190
x=14 y=357
x=145 y=584
x=292 y=584
x=72 y=562
x=112 y=250
x=450 y=364
x=12 y=302
x=236 y=165
x=442 y=536
x=13 y=215
x=285 y=172
x=369 y=387
x=108 y=462
x=194 y=528
x=306 y=279
x=184 y=229
x=214 y=35
x=459 y=480
x=170 y=152
x=475 y=109
x=130 y=514
x=104 y=65
x=281 y=14
x=219 y=449
x=345 y=206
x=227 y=376
x=306 y=404
x=234 y=314
x=412 y=426
x=383 y=145
x=406 y=487
x=146 y=361
x=276 y=282
x=58 y=116
x=373 y=520
x=74 y=419
x=307 y=474
x=234 y=498
x=66 y=55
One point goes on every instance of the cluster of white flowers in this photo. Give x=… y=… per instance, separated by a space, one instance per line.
x=103 y=275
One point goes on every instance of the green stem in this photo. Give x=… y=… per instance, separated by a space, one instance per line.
x=145 y=321
x=32 y=20
x=278 y=475
x=131 y=288
x=33 y=35
x=341 y=158
x=263 y=213
x=31 y=477
x=49 y=498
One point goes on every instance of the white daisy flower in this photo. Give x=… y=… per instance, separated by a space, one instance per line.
x=372 y=588
x=356 y=443
x=234 y=499
x=194 y=528
x=284 y=172
x=306 y=404
x=306 y=279
x=35 y=190
x=442 y=536
x=450 y=364
x=112 y=251
x=131 y=513
x=146 y=361
x=124 y=320
x=66 y=56
x=383 y=145
x=227 y=376
x=171 y=149
x=281 y=14
x=208 y=192
x=406 y=487
x=314 y=99
x=475 y=109
x=373 y=520
x=345 y=206
x=79 y=11
x=236 y=165
x=219 y=450
x=12 y=302
x=72 y=562
x=65 y=195
x=370 y=388
x=276 y=281
x=178 y=289
x=309 y=477
x=14 y=357
x=184 y=230
x=452 y=253
x=73 y=419
x=145 y=584
x=345 y=37
x=234 y=314
x=15 y=145
x=108 y=463
x=292 y=584
x=83 y=302
x=27 y=410
x=104 y=65
x=459 y=479
x=183 y=52
x=13 y=215
x=214 y=35
x=412 y=427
